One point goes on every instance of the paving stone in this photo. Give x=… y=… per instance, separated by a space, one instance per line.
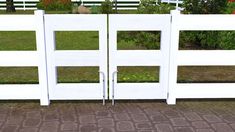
x=3 y=117
x=86 y=119
x=54 y=124
x=151 y=111
x=118 y=109
x=1 y=123
x=233 y=125
x=30 y=122
x=184 y=129
x=69 y=126
x=212 y=118
x=68 y=118
x=33 y=114
x=10 y=128
x=158 y=118
x=220 y=111
x=17 y=112
x=171 y=114
x=222 y=127
x=4 y=110
x=121 y=116
x=134 y=109
x=179 y=122
x=51 y=116
x=228 y=118
x=204 y=130
x=28 y=130
x=106 y=130
x=15 y=120
x=143 y=125
x=106 y=122
x=102 y=114
x=203 y=111
x=200 y=124
x=88 y=128
x=146 y=131
x=48 y=129
x=192 y=116
x=125 y=126
x=139 y=117
x=164 y=128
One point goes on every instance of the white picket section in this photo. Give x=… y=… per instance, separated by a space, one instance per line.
x=199 y=58
x=25 y=58
x=139 y=57
x=55 y=58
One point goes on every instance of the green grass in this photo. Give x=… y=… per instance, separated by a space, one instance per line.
x=21 y=40
x=18 y=75
x=79 y=40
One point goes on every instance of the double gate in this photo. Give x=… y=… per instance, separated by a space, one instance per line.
x=78 y=91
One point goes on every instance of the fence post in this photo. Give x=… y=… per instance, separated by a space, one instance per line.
x=41 y=49
x=24 y=5
x=174 y=42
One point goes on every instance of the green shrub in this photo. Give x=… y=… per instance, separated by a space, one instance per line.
x=204 y=6
x=231 y=8
x=227 y=40
x=106 y=7
x=208 y=39
x=54 y=5
x=151 y=7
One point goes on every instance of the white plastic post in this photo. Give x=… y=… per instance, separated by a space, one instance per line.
x=41 y=49
x=174 y=42
x=24 y=5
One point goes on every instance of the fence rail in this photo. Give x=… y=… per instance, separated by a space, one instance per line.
x=121 y=4
x=169 y=57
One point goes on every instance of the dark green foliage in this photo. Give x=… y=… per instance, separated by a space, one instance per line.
x=208 y=39
x=231 y=8
x=227 y=40
x=107 y=7
x=54 y=5
x=151 y=7
x=205 y=6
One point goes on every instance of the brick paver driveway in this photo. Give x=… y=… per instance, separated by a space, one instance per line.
x=144 y=116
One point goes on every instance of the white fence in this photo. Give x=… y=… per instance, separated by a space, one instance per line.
x=47 y=58
x=25 y=58
x=121 y=4
x=199 y=58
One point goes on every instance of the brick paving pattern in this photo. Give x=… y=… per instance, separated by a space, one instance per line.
x=125 y=116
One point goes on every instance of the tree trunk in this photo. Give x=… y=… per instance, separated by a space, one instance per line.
x=10 y=6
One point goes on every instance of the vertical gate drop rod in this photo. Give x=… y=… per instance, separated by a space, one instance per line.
x=102 y=73
x=113 y=81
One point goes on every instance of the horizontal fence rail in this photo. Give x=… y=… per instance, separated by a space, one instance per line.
x=168 y=58
x=121 y=4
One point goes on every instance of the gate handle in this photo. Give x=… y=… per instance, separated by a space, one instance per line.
x=113 y=76
x=102 y=73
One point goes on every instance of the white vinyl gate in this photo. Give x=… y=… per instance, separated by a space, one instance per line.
x=138 y=57
x=55 y=58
